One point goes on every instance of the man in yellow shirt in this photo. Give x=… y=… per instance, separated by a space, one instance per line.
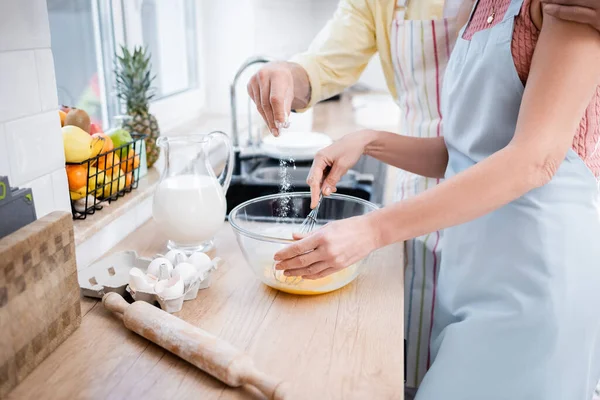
x=414 y=41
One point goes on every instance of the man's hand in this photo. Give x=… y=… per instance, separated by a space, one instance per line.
x=582 y=11
x=275 y=89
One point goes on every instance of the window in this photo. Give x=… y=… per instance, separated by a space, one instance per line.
x=86 y=34
x=75 y=55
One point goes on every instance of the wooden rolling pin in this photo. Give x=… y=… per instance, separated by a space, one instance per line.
x=207 y=352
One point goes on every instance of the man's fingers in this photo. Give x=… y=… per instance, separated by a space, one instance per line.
x=254 y=92
x=289 y=99
x=279 y=88
x=582 y=15
x=265 y=102
x=300 y=247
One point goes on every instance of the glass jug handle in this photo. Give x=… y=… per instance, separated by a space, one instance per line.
x=225 y=177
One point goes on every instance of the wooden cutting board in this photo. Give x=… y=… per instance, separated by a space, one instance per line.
x=39 y=295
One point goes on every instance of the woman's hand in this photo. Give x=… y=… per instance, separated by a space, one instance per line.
x=329 y=249
x=338 y=158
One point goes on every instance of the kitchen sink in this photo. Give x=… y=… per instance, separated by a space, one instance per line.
x=265 y=179
x=297 y=176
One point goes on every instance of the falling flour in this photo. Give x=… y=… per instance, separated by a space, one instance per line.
x=285 y=186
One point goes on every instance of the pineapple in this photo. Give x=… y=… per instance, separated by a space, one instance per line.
x=134 y=88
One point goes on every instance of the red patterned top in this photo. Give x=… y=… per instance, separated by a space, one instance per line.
x=525 y=36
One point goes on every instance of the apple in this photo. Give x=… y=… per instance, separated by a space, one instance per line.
x=95 y=128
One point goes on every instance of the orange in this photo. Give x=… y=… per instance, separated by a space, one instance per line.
x=105 y=162
x=133 y=161
x=128 y=179
x=76 y=176
x=62 y=116
x=108 y=143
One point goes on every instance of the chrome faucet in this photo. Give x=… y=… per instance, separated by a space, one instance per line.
x=232 y=91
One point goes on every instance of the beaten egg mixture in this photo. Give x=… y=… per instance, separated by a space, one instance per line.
x=296 y=285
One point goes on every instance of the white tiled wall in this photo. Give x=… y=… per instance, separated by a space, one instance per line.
x=18 y=80
x=31 y=150
x=24 y=25
x=46 y=79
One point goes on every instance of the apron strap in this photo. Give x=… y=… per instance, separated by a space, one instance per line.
x=514 y=9
x=462 y=30
x=400 y=9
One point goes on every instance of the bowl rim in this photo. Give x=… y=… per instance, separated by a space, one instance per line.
x=272 y=239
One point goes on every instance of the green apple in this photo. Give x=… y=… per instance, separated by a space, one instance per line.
x=119 y=138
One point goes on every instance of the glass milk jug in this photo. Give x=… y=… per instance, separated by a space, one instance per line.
x=189 y=201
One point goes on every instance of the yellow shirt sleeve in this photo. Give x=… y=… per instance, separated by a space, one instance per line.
x=424 y=9
x=341 y=51
x=359 y=28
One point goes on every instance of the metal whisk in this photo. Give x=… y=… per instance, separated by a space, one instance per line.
x=307 y=226
x=311 y=220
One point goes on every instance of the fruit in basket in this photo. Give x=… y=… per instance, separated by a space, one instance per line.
x=79 y=118
x=77 y=144
x=132 y=162
x=108 y=143
x=95 y=182
x=97 y=145
x=78 y=194
x=95 y=128
x=128 y=179
x=76 y=176
x=134 y=86
x=62 y=116
x=122 y=179
x=119 y=138
x=109 y=163
x=113 y=185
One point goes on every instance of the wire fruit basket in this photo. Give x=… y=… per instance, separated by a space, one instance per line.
x=110 y=176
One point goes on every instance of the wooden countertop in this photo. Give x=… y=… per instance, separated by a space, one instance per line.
x=342 y=345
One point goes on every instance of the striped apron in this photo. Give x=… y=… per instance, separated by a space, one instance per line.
x=420 y=52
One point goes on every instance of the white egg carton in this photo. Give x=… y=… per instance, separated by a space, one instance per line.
x=113 y=274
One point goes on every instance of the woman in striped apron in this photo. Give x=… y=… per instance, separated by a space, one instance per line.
x=414 y=41
x=420 y=51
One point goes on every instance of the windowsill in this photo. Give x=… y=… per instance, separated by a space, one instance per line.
x=86 y=228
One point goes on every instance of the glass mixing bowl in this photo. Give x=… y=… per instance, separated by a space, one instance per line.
x=264 y=225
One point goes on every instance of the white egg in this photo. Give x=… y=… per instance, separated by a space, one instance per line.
x=176 y=257
x=139 y=281
x=169 y=288
x=186 y=270
x=154 y=268
x=201 y=261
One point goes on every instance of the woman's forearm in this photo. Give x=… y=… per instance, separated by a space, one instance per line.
x=422 y=156
x=549 y=115
x=483 y=188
